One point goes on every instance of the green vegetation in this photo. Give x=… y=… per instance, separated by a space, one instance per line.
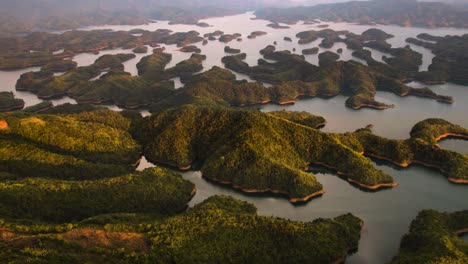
x=421 y=148
x=256 y=34
x=188 y=67
x=328 y=58
x=24 y=60
x=303 y=118
x=433 y=238
x=231 y=232
x=228 y=49
x=225 y=38
x=140 y=49
x=329 y=37
x=152 y=66
x=314 y=50
x=49 y=50
x=257 y=152
x=220 y=229
x=152 y=191
x=236 y=63
x=60 y=66
x=183 y=38
x=277 y=26
x=293 y=76
x=113 y=61
x=254 y=151
x=84 y=145
x=115 y=86
x=376 y=34
x=446 y=66
x=213 y=35
x=8 y=102
x=191 y=48
x=40 y=107
x=46 y=85
x=267 y=50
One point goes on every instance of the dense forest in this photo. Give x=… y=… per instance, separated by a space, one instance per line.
x=84 y=157
x=434 y=238
x=258 y=152
x=72 y=190
x=290 y=74
x=219 y=229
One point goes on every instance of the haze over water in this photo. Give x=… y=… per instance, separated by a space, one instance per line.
x=387 y=214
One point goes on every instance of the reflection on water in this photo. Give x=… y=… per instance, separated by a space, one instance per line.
x=387 y=214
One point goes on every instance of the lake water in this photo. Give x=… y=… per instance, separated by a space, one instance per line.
x=387 y=214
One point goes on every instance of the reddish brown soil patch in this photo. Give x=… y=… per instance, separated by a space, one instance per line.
x=90 y=238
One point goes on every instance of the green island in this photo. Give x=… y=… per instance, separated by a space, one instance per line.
x=256 y=34
x=446 y=66
x=228 y=49
x=154 y=190
x=212 y=36
x=403 y=60
x=225 y=38
x=314 y=50
x=434 y=238
x=16 y=52
x=294 y=77
x=85 y=157
x=257 y=152
x=421 y=148
x=115 y=86
x=8 y=102
x=291 y=75
x=277 y=26
x=253 y=151
x=225 y=230
x=190 y=49
x=60 y=66
x=72 y=190
x=140 y=49
x=40 y=107
x=73 y=146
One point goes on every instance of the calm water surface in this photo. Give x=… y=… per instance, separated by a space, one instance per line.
x=387 y=214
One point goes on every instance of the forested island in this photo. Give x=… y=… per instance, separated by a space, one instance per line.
x=291 y=75
x=449 y=66
x=434 y=238
x=8 y=102
x=258 y=152
x=85 y=157
x=226 y=230
x=82 y=183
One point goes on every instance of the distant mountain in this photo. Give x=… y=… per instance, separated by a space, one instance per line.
x=31 y=15
x=399 y=12
x=18 y=17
